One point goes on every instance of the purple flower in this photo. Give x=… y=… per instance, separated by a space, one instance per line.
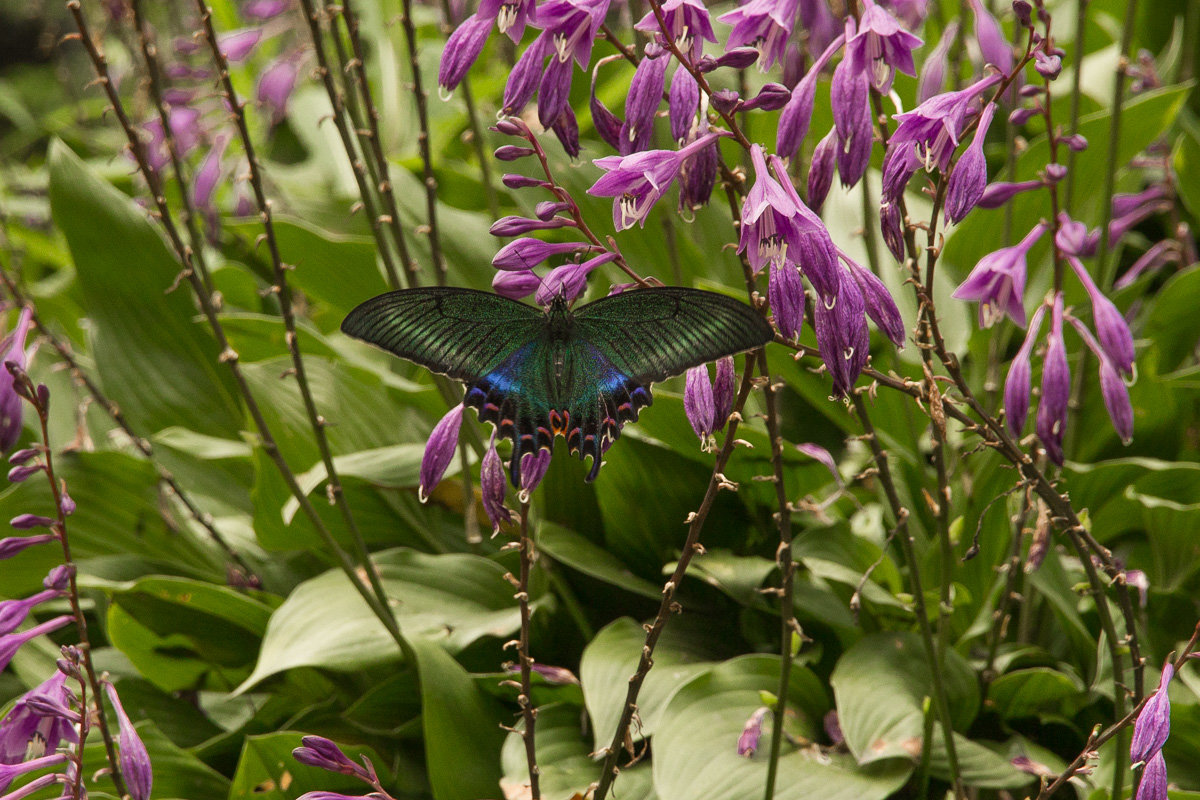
x=969 y=176
x=132 y=756
x=993 y=45
x=1048 y=66
x=10 y=771
x=821 y=456
x=237 y=45
x=769 y=218
x=12 y=350
x=698 y=175
x=515 y=226
x=1056 y=387
x=751 y=733
x=889 y=226
x=1116 y=400
x=12 y=545
x=572 y=26
x=687 y=22
x=533 y=469
x=682 y=103
x=569 y=280
x=820 y=173
x=637 y=181
x=208 y=176
x=524 y=254
x=819 y=23
x=1017 y=385
x=317 y=751
x=185 y=130
x=439 y=451
x=608 y=125
x=525 y=75
x=462 y=49
x=11 y=643
x=275 y=87
x=883 y=46
x=785 y=293
x=645 y=93
x=26 y=733
x=724 y=392
x=1074 y=238
x=880 y=305
x=698 y=404
x=1154 y=779
x=1000 y=192
x=797 y=114
x=13 y=612
x=513 y=16
x=842 y=336
x=491 y=484
x=1157 y=256
x=265 y=9
x=998 y=282
x=1153 y=724
x=814 y=251
x=566 y=130
x=933 y=71
x=1111 y=328
x=765 y=25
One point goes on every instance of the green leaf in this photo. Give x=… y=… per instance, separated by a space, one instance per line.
x=178 y=773
x=881 y=684
x=695 y=748
x=267 y=771
x=154 y=359
x=1036 y=692
x=451 y=600
x=462 y=728
x=568 y=547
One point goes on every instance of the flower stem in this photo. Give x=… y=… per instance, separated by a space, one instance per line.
x=525 y=699
x=1114 y=144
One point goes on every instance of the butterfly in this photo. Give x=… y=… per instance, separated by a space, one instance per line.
x=580 y=374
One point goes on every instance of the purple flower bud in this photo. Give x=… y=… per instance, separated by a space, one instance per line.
x=725 y=101
x=645 y=93
x=683 y=103
x=208 y=176
x=1020 y=116
x=556 y=676
x=747 y=743
x=1017 y=386
x=698 y=175
x=237 y=45
x=822 y=456
x=546 y=209
x=12 y=545
x=24 y=522
x=317 y=751
x=24 y=455
x=833 y=726
x=512 y=152
x=998 y=193
x=878 y=300
x=569 y=280
x=853 y=156
x=608 y=125
x=1154 y=779
x=514 y=181
x=794 y=63
x=554 y=90
x=265 y=9
x=492 y=485
x=439 y=451
x=772 y=97
x=13 y=612
x=1116 y=400
x=1056 y=387
x=933 y=71
x=512 y=126
x=275 y=87
x=1073 y=237
x=566 y=130
x=1023 y=12
x=1153 y=724
x=10 y=644
x=842 y=336
x=462 y=49
x=523 y=80
x=889 y=226
x=1158 y=255
x=848 y=95
x=533 y=469
x=734 y=58
x=724 y=392
x=526 y=253
x=18 y=474
x=515 y=226
x=1075 y=141
x=993 y=45
x=969 y=176
x=59 y=578
x=698 y=403
x=1055 y=173
x=43 y=396
x=820 y=173
x=133 y=758
x=1113 y=332
x=785 y=293
x=811 y=245
x=9 y=772
x=12 y=350
x=1047 y=66
x=998 y=282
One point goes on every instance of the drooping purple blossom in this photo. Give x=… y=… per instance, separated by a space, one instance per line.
x=1074 y=238
x=533 y=469
x=184 y=122
x=724 y=391
x=26 y=733
x=822 y=457
x=1056 y=387
x=969 y=176
x=993 y=45
x=933 y=70
x=12 y=545
x=878 y=301
x=765 y=25
x=645 y=94
x=842 y=336
x=820 y=172
x=12 y=642
x=1156 y=256
x=797 y=114
x=526 y=253
x=698 y=404
x=698 y=175
x=747 y=742
x=8 y=772
x=492 y=484
x=1154 y=779
x=13 y=612
x=1111 y=328
x=637 y=181
x=264 y=9
x=819 y=23
x=889 y=226
x=12 y=350
x=881 y=46
x=1116 y=400
x=237 y=45
x=998 y=282
x=683 y=101
x=687 y=22
x=814 y=252
x=462 y=49
x=569 y=280
x=998 y=193
x=1018 y=384
x=1153 y=724
x=439 y=451
x=785 y=293
x=275 y=87
x=132 y=756
x=569 y=31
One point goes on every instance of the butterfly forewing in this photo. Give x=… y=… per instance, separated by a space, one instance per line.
x=651 y=334
x=458 y=332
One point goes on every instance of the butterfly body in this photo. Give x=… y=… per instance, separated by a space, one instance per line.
x=539 y=375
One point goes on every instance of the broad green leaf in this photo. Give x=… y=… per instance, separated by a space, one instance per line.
x=462 y=727
x=178 y=773
x=1036 y=692
x=575 y=551
x=450 y=600
x=695 y=748
x=978 y=765
x=154 y=359
x=881 y=684
x=1172 y=323
x=612 y=657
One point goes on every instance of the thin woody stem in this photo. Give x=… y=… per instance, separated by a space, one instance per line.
x=525 y=699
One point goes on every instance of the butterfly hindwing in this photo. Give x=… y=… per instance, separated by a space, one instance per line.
x=651 y=334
